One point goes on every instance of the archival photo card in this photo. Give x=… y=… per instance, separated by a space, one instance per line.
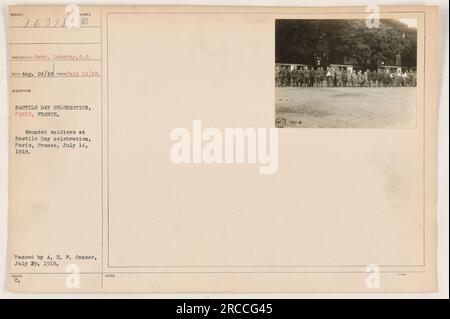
x=154 y=149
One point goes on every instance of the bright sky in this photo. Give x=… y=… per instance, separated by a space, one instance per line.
x=410 y=22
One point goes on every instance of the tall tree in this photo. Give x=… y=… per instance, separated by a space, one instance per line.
x=337 y=41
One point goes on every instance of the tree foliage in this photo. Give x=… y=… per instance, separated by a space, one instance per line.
x=341 y=41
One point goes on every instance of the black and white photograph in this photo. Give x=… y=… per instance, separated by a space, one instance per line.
x=345 y=73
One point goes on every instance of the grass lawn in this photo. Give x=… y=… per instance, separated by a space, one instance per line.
x=392 y=107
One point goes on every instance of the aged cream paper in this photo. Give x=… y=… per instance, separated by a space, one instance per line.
x=98 y=204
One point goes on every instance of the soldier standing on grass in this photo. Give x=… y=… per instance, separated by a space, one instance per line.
x=312 y=77
x=338 y=77
x=277 y=76
x=301 y=76
x=354 y=78
x=408 y=78
x=334 y=71
x=344 y=77
x=398 y=78
x=295 y=77
x=306 y=77
x=288 y=76
x=320 y=76
x=349 y=78
x=405 y=80
x=388 y=79
x=329 y=76
x=366 y=78
x=373 y=78
x=285 y=76
x=282 y=76
x=360 y=78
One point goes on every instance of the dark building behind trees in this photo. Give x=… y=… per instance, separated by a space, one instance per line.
x=323 y=42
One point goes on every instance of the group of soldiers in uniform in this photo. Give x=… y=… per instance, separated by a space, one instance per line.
x=342 y=77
